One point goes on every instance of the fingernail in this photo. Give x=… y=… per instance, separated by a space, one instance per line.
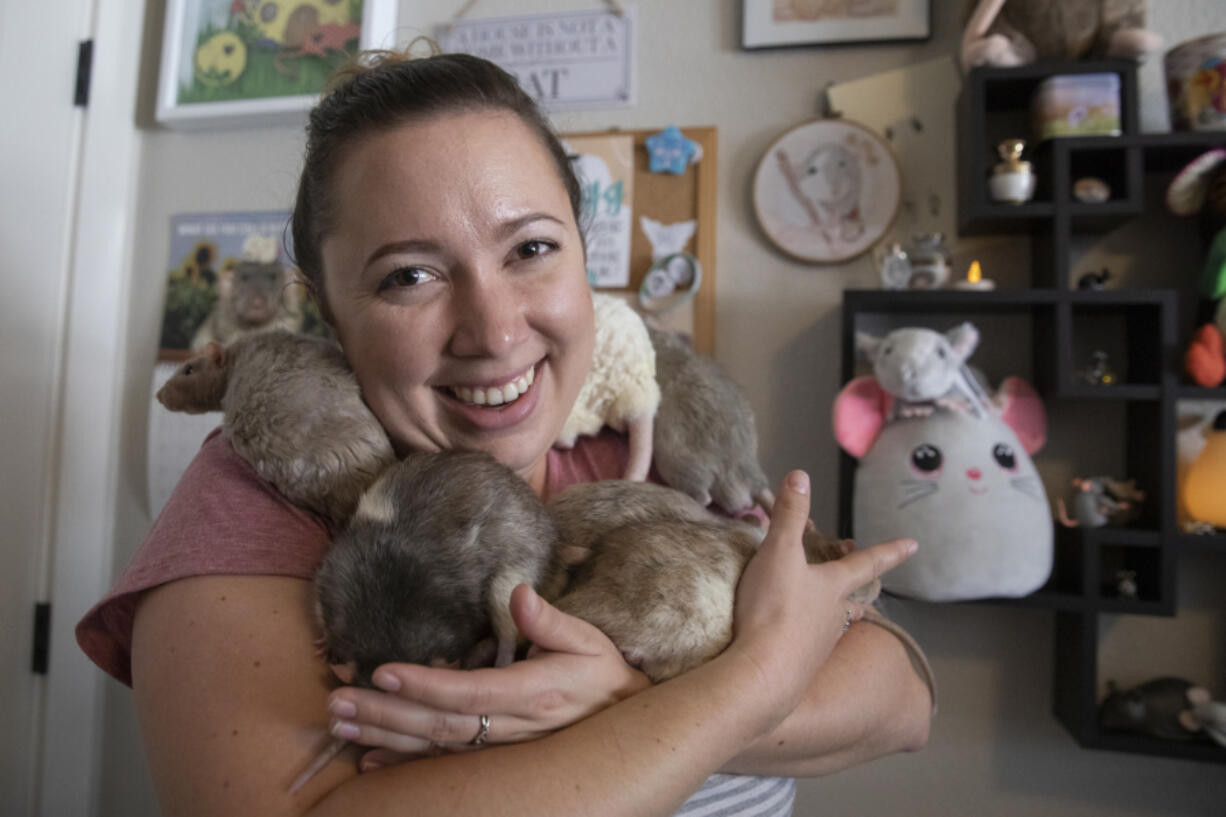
x=371 y=765
x=798 y=481
x=910 y=546
x=342 y=708
x=386 y=682
x=345 y=729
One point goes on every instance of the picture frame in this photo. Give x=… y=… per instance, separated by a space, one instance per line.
x=259 y=62
x=781 y=23
x=827 y=190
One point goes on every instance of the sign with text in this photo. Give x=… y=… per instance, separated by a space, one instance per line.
x=605 y=167
x=567 y=61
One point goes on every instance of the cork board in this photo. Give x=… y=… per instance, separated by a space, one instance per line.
x=671 y=198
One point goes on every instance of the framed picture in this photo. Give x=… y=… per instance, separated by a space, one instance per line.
x=827 y=190
x=259 y=62
x=773 y=23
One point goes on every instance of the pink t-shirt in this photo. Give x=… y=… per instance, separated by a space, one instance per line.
x=224 y=519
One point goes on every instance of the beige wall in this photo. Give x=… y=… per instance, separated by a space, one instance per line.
x=995 y=748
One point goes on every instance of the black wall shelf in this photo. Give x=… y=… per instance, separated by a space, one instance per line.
x=1140 y=329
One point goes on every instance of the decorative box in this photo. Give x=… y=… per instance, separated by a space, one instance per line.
x=1077 y=105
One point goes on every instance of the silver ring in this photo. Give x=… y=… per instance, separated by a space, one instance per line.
x=847 y=621
x=483 y=733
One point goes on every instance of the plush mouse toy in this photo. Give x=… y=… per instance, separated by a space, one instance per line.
x=923 y=369
x=960 y=483
x=1003 y=34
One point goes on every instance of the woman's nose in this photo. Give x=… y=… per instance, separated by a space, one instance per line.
x=489 y=317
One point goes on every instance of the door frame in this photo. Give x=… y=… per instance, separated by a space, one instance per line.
x=86 y=448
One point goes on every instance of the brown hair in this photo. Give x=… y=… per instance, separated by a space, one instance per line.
x=379 y=90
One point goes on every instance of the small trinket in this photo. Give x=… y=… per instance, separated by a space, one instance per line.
x=895 y=267
x=1091 y=190
x=1099 y=372
x=669 y=151
x=974 y=281
x=929 y=261
x=1012 y=180
x=1126 y=583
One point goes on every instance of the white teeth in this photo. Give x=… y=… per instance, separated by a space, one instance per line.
x=496 y=396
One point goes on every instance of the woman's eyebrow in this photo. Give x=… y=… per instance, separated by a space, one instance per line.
x=511 y=226
x=410 y=245
x=502 y=231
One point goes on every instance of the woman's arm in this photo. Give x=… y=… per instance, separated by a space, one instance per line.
x=231 y=701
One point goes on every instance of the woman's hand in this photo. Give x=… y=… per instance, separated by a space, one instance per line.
x=789 y=614
x=572 y=671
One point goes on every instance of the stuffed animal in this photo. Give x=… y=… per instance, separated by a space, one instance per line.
x=1003 y=34
x=1200 y=190
x=621 y=389
x=923 y=369
x=1163 y=708
x=1204 y=483
x=960 y=483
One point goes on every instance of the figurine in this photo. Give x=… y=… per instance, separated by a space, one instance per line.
x=1091 y=190
x=1161 y=708
x=1094 y=280
x=1092 y=505
x=1099 y=372
x=929 y=261
x=1126 y=584
x=1012 y=179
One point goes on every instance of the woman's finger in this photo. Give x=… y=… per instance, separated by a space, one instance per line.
x=791 y=512
x=863 y=566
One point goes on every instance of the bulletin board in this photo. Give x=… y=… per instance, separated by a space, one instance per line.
x=671 y=198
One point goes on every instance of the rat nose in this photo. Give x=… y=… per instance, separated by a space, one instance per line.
x=974 y=473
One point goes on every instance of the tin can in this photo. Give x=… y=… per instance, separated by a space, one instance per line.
x=1077 y=105
x=1196 y=83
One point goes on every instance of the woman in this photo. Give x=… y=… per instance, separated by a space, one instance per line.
x=436 y=220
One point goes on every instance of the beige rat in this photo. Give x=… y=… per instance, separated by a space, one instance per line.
x=294 y=411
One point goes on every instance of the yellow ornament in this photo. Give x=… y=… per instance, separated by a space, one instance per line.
x=220 y=59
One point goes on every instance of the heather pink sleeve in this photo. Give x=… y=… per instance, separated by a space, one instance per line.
x=221 y=519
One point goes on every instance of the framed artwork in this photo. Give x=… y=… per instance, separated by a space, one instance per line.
x=259 y=62
x=773 y=23
x=827 y=190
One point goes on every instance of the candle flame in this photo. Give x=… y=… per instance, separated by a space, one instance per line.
x=974 y=274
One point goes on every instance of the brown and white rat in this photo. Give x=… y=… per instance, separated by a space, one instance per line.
x=661 y=571
x=424 y=570
x=705 y=442
x=294 y=411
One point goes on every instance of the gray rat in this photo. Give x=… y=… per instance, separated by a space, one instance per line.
x=294 y=411
x=1093 y=504
x=923 y=369
x=661 y=572
x=424 y=570
x=1159 y=708
x=705 y=441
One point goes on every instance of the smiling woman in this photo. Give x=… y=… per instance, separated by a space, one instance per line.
x=436 y=223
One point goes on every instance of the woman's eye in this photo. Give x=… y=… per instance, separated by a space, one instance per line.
x=533 y=249
x=404 y=277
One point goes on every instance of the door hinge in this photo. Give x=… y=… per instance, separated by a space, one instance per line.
x=42 y=638
x=85 y=64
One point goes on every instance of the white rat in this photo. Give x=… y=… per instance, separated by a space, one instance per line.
x=923 y=369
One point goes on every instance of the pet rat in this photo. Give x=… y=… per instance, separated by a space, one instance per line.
x=424 y=570
x=294 y=411
x=661 y=573
x=705 y=442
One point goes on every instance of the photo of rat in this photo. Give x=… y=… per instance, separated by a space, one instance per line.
x=705 y=440
x=293 y=410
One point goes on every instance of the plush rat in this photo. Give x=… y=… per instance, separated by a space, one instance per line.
x=1000 y=33
x=923 y=369
x=960 y=483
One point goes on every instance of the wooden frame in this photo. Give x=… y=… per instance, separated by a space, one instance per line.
x=775 y=23
x=210 y=72
x=669 y=198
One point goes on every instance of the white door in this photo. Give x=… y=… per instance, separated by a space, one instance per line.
x=60 y=303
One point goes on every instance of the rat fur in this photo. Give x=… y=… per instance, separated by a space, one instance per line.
x=705 y=441
x=293 y=410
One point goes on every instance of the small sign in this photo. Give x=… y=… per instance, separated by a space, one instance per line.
x=605 y=167
x=568 y=61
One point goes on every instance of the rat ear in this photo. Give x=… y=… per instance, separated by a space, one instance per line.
x=216 y=353
x=963 y=338
x=859 y=414
x=867 y=344
x=1021 y=408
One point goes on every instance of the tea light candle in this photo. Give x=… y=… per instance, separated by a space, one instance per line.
x=975 y=281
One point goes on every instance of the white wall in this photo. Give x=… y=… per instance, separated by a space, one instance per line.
x=995 y=748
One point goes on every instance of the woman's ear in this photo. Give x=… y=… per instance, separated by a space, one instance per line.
x=1022 y=410
x=859 y=414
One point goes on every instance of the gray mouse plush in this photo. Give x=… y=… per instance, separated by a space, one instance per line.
x=923 y=369
x=1160 y=708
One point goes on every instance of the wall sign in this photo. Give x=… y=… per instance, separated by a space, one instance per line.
x=568 y=61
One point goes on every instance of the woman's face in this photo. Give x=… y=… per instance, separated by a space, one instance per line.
x=456 y=281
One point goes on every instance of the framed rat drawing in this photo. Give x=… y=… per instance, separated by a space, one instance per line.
x=259 y=62
x=772 y=23
x=827 y=190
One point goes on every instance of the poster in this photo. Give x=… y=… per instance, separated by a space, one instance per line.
x=605 y=167
x=566 y=61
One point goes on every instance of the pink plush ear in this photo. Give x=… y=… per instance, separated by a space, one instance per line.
x=859 y=414
x=1022 y=410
